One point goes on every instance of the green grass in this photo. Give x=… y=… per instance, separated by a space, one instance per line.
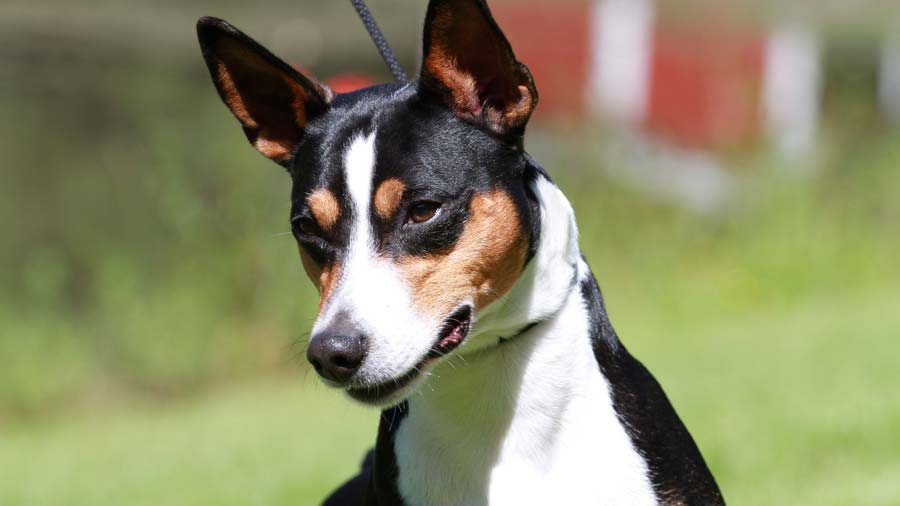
x=266 y=444
x=792 y=404
x=773 y=326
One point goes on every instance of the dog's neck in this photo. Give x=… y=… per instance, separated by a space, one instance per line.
x=560 y=413
x=521 y=421
x=548 y=280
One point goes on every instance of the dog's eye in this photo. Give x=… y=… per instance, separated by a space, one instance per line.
x=306 y=226
x=423 y=211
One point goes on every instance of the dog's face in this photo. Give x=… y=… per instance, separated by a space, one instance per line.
x=410 y=203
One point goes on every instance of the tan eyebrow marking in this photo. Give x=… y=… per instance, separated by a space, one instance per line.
x=387 y=197
x=324 y=207
x=483 y=265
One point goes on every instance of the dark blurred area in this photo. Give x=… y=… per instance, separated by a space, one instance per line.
x=730 y=163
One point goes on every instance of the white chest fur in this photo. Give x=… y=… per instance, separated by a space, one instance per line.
x=529 y=422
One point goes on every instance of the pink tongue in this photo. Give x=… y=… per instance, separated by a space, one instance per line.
x=452 y=339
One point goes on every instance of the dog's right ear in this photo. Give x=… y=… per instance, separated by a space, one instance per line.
x=272 y=101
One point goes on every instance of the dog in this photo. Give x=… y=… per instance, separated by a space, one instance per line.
x=453 y=294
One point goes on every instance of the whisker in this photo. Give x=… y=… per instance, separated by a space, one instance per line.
x=393 y=415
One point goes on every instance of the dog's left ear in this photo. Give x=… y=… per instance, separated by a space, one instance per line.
x=271 y=100
x=470 y=66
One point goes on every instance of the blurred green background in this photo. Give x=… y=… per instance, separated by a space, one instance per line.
x=153 y=311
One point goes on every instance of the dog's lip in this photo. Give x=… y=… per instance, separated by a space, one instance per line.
x=453 y=333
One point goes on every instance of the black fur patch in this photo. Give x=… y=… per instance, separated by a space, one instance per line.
x=376 y=483
x=677 y=470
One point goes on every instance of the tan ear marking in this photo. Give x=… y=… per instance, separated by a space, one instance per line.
x=325 y=208
x=232 y=98
x=469 y=62
x=274 y=143
x=482 y=266
x=270 y=102
x=460 y=84
x=388 y=196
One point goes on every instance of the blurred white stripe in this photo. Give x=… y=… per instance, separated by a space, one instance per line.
x=622 y=44
x=889 y=79
x=792 y=88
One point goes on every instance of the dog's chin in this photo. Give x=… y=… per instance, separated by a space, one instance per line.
x=388 y=393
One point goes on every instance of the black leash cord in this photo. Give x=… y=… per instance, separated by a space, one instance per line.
x=378 y=38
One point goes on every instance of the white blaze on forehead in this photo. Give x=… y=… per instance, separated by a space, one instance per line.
x=359 y=169
x=370 y=292
x=359 y=164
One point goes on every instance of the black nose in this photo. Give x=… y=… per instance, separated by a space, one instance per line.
x=336 y=357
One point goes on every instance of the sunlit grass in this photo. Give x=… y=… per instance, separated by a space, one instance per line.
x=790 y=405
x=266 y=443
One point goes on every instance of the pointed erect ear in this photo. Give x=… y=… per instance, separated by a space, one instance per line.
x=272 y=101
x=470 y=65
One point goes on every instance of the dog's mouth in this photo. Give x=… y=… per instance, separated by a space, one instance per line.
x=452 y=334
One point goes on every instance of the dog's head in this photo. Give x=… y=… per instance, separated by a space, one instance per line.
x=411 y=203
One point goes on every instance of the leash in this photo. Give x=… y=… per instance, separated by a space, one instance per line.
x=380 y=42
